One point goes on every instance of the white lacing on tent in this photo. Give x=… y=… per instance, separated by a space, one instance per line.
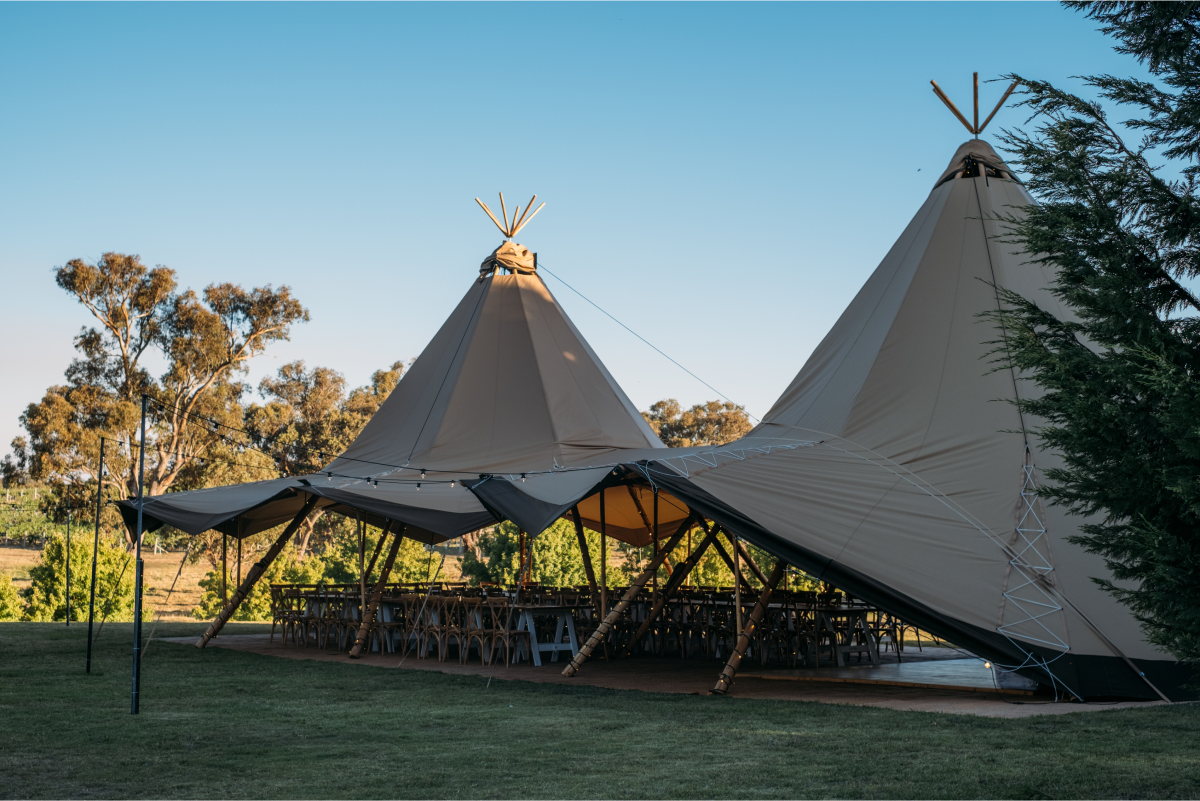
x=1028 y=561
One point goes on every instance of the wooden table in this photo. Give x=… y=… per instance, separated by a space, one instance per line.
x=566 y=622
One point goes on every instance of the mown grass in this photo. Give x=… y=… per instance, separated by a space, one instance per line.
x=218 y=723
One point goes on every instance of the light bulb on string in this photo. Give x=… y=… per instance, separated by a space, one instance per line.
x=418 y=487
x=422 y=474
x=451 y=485
x=522 y=478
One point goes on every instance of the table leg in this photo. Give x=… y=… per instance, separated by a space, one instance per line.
x=534 y=652
x=571 y=633
x=558 y=633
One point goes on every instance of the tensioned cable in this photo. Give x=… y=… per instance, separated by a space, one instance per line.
x=542 y=266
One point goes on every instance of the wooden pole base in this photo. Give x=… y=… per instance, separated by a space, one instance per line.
x=600 y=635
x=743 y=642
x=256 y=572
x=368 y=618
x=673 y=583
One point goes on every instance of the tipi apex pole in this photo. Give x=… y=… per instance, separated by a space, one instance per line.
x=976 y=80
x=137 y=581
x=95 y=551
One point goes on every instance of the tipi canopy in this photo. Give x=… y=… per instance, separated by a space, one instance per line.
x=893 y=466
x=506 y=392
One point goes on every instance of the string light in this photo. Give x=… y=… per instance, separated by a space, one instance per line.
x=422 y=473
x=522 y=478
x=418 y=487
x=451 y=485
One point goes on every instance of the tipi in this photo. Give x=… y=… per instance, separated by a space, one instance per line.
x=893 y=467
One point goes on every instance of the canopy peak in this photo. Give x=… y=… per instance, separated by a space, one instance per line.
x=513 y=227
x=976 y=129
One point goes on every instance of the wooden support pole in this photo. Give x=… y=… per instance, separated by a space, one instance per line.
x=587 y=559
x=656 y=543
x=675 y=582
x=937 y=90
x=360 y=639
x=362 y=577
x=739 y=579
x=743 y=642
x=378 y=548
x=1011 y=89
x=256 y=572
x=976 y=80
x=758 y=574
x=601 y=633
x=603 y=560
x=224 y=568
x=737 y=585
x=239 y=559
x=521 y=564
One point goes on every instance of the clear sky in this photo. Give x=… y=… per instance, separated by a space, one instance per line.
x=720 y=177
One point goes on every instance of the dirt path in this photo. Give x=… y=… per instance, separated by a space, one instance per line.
x=692 y=677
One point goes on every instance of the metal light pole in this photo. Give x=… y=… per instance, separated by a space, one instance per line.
x=95 y=551
x=137 y=579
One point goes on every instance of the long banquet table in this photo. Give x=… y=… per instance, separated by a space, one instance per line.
x=524 y=623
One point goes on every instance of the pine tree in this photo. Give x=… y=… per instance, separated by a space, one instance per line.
x=1120 y=223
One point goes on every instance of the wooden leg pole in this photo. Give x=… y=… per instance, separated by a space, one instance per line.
x=738 y=578
x=601 y=632
x=673 y=583
x=655 y=553
x=745 y=556
x=362 y=564
x=256 y=572
x=224 y=569
x=603 y=561
x=368 y=618
x=587 y=566
x=375 y=553
x=737 y=585
x=743 y=642
x=587 y=559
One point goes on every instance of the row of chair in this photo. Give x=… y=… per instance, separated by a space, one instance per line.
x=797 y=627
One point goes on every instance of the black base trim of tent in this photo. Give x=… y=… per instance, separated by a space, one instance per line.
x=1084 y=675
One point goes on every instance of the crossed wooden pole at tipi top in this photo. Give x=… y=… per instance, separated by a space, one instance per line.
x=513 y=227
x=976 y=129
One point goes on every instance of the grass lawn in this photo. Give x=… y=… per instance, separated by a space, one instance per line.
x=219 y=723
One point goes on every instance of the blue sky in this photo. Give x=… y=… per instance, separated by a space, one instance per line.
x=720 y=177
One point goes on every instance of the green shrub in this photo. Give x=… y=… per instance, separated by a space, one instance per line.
x=286 y=569
x=11 y=607
x=46 y=599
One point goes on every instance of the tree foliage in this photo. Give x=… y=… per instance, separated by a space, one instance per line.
x=711 y=423
x=1119 y=377
x=11 y=605
x=46 y=597
x=206 y=340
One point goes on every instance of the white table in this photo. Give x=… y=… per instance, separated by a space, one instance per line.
x=566 y=623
